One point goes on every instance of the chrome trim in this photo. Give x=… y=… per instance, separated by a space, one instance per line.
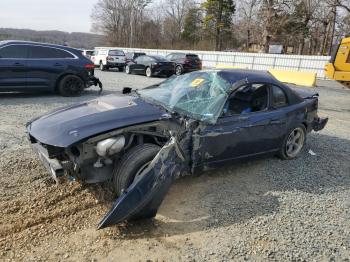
x=75 y=57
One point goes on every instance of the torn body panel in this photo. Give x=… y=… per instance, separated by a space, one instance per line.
x=143 y=198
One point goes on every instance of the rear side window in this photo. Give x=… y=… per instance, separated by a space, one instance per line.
x=41 y=52
x=116 y=53
x=140 y=59
x=180 y=56
x=192 y=56
x=138 y=54
x=279 y=98
x=14 y=52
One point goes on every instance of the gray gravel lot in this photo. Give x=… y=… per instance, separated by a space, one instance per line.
x=257 y=210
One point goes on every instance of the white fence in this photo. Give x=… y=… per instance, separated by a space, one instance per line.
x=250 y=60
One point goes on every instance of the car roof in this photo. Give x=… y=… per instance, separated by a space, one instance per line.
x=38 y=43
x=234 y=75
x=157 y=57
x=255 y=76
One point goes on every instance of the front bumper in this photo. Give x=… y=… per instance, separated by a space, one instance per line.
x=53 y=166
x=319 y=123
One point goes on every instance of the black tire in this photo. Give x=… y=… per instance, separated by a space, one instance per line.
x=178 y=70
x=102 y=67
x=148 y=69
x=132 y=162
x=71 y=85
x=283 y=153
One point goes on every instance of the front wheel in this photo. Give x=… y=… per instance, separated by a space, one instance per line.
x=127 y=70
x=71 y=85
x=293 y=143
x=178 y=70
x=148 y=72
x=131 y=166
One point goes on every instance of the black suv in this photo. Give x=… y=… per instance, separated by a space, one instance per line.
x=31 y=66
x=185 y=62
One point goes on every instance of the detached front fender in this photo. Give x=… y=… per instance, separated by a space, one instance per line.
x=143 y=198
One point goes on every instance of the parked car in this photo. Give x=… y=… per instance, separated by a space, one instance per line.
x=88 y=53
x=109 y=58
x=140 y=142
x=185 y=62
x=131 y=56
x=30 y=66
x=150 y=66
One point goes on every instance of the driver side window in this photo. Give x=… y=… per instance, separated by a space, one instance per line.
x=248 y=99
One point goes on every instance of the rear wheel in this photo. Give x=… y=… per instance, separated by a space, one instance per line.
x=293 y=143
x=71 y=85
x=178 y=70
x=131 y=166
x=102 y=67
x=148 y=72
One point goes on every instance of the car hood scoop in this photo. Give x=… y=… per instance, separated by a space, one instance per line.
x=69 y=125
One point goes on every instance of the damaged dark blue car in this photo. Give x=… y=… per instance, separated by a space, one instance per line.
x=140 y=142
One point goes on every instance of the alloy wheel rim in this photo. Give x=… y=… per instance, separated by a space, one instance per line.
x=127 y=69
x=148 y=72
x=72 y=86
x=178 y=70
x=295 y=142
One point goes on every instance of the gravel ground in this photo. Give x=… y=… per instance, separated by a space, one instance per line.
x=257 y=210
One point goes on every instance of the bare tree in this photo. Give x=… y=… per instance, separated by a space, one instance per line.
x=249 y=10
x=174 y=18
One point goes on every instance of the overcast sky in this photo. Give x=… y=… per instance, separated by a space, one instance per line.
x=65 y=15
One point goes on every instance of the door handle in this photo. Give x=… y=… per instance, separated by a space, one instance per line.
x=58 y=64
x=18 y=64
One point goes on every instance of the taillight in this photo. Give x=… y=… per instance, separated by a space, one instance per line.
x=89 y=66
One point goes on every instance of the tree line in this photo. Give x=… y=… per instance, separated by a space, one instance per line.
x=300 y=26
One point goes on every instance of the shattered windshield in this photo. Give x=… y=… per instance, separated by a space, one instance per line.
x=199 y=95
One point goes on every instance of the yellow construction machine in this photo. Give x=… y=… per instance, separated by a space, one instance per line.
x=338 y=67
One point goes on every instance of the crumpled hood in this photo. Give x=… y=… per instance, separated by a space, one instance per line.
x=69 y=125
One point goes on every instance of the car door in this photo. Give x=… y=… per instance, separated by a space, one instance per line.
x=138 y=67
x=45 y=65
x=241 y=135
x=13 y=67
